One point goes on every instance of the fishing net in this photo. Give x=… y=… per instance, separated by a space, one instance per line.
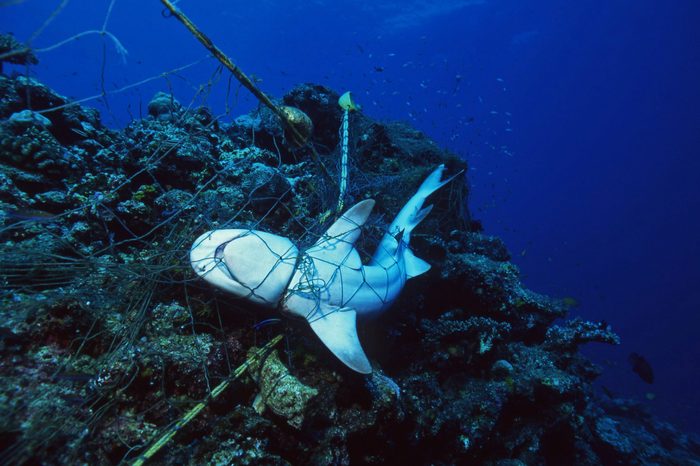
x=109 y=336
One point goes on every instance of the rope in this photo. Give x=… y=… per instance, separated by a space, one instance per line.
x=192 y=413
x=242 y=78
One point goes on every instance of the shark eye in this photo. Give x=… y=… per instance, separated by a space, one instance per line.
x=219 y=259
x=219 y=253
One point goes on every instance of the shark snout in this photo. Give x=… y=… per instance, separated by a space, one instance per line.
x=250 y=264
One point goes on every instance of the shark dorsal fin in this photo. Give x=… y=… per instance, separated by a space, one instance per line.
x=337 y=243
x=347 y=227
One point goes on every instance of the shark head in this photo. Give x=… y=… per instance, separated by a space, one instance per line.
x=250 y=264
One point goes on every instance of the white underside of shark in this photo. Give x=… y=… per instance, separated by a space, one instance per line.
x=327 y=284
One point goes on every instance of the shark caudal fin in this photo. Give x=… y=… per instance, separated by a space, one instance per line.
x=413 y=212
x=407 y=219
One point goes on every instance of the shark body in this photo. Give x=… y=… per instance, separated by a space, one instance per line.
x=327 y=284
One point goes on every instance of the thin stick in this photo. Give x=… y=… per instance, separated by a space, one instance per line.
x=192 y=413
x=242 y=78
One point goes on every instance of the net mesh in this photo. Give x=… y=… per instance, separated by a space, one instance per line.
x=117 y=336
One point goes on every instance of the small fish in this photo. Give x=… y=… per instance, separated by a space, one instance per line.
x=641 y=367
x=30 y=214
x=609 y=393
x=266 y=322
x=570 y=301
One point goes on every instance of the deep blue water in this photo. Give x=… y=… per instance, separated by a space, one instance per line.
x=581 y=122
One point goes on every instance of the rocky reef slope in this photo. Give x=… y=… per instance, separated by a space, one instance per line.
x=107 y=337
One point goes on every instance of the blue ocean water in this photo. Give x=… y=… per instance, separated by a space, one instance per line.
x=580 y=121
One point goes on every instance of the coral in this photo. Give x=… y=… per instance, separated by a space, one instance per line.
x=242 y=450
x=453 y=337
x=164 y=107
x=576 y=332
x=280 y=391
x=28 y=145
x=383 y=389
x=14 y=52
x=29 y=117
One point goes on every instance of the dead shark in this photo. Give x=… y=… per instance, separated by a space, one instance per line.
x=327 y=284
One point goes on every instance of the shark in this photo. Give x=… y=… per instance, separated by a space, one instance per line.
x=327 y=284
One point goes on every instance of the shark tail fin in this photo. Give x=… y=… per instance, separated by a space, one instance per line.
x=421 y=214
x=431 y=184
x=434 y=181
x=406 y=220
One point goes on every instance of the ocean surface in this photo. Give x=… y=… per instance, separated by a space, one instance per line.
x=580 y=122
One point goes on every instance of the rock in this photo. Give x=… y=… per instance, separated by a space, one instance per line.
x=280 y=391
x=606 y=430
x=29 y=117
x=164 y=107
x=14 y=52
x=502 y=368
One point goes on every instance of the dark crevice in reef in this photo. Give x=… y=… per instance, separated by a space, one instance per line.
x=107 y=336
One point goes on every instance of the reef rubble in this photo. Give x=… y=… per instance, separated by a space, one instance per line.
x=107 y=336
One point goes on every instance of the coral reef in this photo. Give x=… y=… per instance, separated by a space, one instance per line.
x=107 y=337
x=283 y=393
x=11 y=51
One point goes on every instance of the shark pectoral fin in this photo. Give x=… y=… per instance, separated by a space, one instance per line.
x=338 y=332
x=414 y=265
